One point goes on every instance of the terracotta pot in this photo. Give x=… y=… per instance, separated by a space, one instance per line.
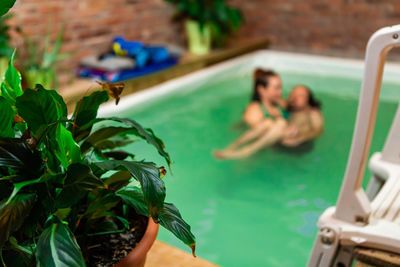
x=137 y=257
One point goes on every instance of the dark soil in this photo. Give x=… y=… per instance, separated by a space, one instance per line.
x=107 y=250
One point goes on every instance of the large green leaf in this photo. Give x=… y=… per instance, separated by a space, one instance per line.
x=5 y=5
x=85 y=111
x=16 y=155
x=148 y=176
x=171 y=219
x=41 y=107
x=57 y=247
x=114 y=142
x=13 y=214
x=79 y=181
x=96 y=140
x=11 y=85
x=66 y=149
x=6 y=119
x=137 y=130
x=133 y=196
x=149 y=136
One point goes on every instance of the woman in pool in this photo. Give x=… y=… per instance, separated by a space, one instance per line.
x=305 y=123
x=267 y=103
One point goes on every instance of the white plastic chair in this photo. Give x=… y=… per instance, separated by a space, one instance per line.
x=359 y=220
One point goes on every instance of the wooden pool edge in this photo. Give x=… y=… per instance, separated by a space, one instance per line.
x=164 y=255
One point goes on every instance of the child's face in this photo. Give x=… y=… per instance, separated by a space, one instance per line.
x=298 y=98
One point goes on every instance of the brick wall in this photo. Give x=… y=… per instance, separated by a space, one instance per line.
x=90 y=25
x=333 y=27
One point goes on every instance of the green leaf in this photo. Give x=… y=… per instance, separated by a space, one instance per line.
x=103 y=202
x=171 y=219
x=57 y=247
x=24 y=250
x=67 y=150
x=118 y=180
x=148 y=176
x=11 y=85
x=133 y=197
x=114 y=142
x=137 y=130
x=79 y=181
x=13 y=214
x=62 y=213
x=16 y=155
x=19 y=186
x=6 y=119
x=5 y=5
x=119 y=155
x=96 y=139
x=50 y=57
x=107 y=226
x=41 y=107
x=85 y=111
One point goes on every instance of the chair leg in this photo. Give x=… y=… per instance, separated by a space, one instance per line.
x=325 y=247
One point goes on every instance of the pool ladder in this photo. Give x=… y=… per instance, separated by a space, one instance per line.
x=368 y=219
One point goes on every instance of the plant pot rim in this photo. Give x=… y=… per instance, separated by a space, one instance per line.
x=137 y=257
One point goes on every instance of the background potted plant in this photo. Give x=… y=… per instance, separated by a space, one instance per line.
x=39 y=66
x=5 y=48
x=207 y=22
x=69 y=192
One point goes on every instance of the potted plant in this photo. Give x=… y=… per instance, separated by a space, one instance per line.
x=69 y=193
x=39 y=67
x=66 y=185
x=5 y=49
x=207 y=22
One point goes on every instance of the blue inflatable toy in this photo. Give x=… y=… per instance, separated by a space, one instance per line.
x=142 y=54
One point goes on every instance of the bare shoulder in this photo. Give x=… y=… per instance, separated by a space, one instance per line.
x=316 y=113
x=317 y=117
x=253 y=106
x=253 y=114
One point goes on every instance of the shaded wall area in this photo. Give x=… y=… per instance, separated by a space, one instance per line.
x=331 y=27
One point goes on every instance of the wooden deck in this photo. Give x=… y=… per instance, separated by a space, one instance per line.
x=366 y=257
x=188 y=63
x=163 y=255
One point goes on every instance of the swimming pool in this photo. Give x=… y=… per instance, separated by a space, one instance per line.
x=260 y=211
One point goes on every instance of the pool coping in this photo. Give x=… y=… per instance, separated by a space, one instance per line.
x=176 y=84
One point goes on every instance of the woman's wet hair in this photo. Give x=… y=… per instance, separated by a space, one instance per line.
x=261 y=78
x=312 y=101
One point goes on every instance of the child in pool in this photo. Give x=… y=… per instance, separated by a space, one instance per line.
x=305 y=123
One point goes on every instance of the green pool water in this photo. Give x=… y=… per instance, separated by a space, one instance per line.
x=259 y=211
